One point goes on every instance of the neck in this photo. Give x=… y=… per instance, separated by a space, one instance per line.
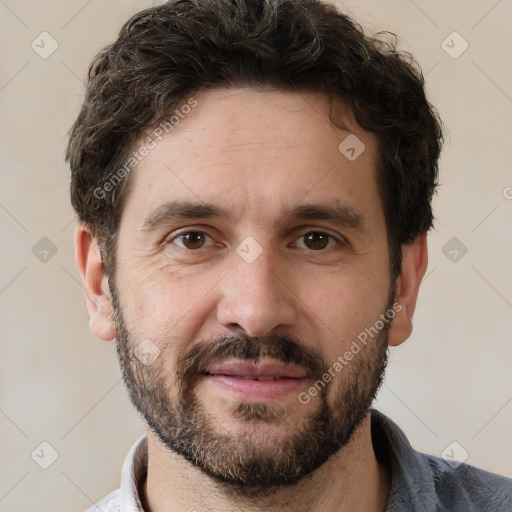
x=351 y=480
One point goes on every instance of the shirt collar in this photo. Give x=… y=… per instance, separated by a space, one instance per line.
x=133 y=474
x=412 y=485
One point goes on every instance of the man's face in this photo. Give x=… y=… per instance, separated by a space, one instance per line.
x=252 y=249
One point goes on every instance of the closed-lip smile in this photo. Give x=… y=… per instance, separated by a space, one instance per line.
x=261 y=381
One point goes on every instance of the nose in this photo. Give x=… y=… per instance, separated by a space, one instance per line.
x=256 y=298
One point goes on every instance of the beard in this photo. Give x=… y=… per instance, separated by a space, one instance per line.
x=250 y=462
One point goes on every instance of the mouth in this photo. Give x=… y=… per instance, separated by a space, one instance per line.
x=262 y=381
x=248 y=377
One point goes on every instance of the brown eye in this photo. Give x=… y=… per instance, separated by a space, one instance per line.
x=316 y=241
x=192 y=240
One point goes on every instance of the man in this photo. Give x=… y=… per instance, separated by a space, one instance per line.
x=253 y=180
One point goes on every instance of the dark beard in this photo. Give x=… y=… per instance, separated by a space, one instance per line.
x=240 y=463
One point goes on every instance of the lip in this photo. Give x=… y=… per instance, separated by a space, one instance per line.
x=260 y=369
x=240 y=378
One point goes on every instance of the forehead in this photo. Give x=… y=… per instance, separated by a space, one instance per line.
x=242 y=149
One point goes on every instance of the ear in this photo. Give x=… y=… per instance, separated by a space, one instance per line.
x=414 y=265
x=97 y=292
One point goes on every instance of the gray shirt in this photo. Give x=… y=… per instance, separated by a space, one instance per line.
x=419 y=482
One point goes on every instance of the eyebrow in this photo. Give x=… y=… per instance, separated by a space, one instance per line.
x=341 y=215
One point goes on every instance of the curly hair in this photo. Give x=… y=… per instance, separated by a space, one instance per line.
x=165 y=54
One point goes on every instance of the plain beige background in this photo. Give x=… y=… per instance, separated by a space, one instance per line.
x=451 y=382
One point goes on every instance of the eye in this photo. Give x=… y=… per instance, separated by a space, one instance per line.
x=312 y=240
x=316 y=241
x=192 y=240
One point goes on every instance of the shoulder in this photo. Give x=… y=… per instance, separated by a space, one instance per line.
x=425 y=482
x=110 y=503
x=467 y=488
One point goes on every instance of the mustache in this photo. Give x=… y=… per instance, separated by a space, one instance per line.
x=285 y=349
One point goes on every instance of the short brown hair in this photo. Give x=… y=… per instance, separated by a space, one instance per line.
x=165 y=54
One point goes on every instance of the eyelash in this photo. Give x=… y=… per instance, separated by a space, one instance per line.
x=331 y=238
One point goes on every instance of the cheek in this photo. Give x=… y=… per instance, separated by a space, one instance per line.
x=154 y=294
x=341 y=307
x=167 y=308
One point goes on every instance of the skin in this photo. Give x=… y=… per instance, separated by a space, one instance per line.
x=257 y=154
